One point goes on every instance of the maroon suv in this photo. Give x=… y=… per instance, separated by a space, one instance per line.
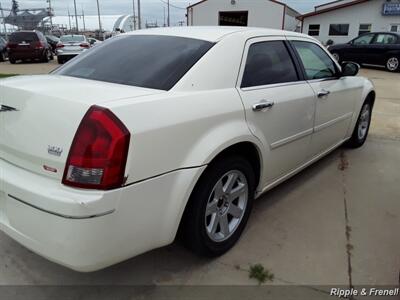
x=28 y=45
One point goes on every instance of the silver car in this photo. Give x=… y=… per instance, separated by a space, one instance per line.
x=71 y=46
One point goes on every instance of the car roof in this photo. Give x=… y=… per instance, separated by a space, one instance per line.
x=382 y=32
x=212 y=33
x=24 y=31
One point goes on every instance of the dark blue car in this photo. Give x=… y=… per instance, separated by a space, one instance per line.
x=379 y=48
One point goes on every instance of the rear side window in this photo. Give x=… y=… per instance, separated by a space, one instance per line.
x=268 y=63
x=72 y=38
x=28 y=37
x=149 y=61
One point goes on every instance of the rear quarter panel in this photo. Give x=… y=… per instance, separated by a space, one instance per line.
x=180 y=130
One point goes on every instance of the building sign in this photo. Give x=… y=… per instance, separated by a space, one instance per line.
x=391 y=9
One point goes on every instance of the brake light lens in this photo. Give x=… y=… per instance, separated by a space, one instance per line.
x=84 y=45
x=59 y=45
x=11 y=45
x=97 y=158
x=39 y=45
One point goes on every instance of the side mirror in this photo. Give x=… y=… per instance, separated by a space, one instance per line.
x=350 y=69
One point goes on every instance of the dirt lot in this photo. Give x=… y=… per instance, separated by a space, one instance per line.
x=335 y=223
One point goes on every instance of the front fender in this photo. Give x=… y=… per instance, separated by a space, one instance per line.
x=368 y=87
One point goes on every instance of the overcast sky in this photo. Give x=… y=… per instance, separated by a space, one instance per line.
x=152 y=10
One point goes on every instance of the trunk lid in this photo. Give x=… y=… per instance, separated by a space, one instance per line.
x=73 y=46
x=40 y=115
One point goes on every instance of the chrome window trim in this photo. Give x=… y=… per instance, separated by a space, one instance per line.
x=273 y=85
x=247 y=45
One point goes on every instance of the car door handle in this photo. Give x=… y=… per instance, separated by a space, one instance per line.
x=263 y=105
x=323 y=93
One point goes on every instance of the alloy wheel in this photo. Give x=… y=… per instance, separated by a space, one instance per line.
x=364 y=121
x=393 y=64
x=226 y=206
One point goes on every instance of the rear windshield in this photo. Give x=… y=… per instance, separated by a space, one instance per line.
x=149 y=61
x=72 y=38
x=28 y=37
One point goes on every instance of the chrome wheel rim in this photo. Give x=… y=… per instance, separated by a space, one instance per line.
x=393 y=63
x=226 y=206
x=336 y=56
x=364 y=122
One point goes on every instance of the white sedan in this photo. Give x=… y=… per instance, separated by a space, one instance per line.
x=164 y=131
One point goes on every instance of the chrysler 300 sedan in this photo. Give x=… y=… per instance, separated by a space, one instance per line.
x=167 y=132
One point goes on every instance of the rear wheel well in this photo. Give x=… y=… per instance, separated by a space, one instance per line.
x=371 y=98
x=248 y=151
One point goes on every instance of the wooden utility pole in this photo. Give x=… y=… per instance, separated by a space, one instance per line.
x=51 y=14
x=139 y=15
x=83 y=18
x=168 y=20
x=98 y=13
x=134 y=15
x=76 y=17
x=164 y=24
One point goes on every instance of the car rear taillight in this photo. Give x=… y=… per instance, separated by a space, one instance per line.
x=59 y=45
x=84 y=45
x=11 y=45
x=39 y=45
x=98 y=154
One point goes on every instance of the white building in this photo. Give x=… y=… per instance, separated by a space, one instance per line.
x=344 y=20
x=254 y=13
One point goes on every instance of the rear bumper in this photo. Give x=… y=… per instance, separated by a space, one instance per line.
x=69 y=53
x=21 y=55
x=90 y=230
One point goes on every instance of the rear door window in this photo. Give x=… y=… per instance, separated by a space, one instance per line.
x=27 y=37
x=72 y=38
x=268 y=63
x=385 y=39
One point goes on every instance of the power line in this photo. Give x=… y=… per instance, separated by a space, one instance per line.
x=174 y=6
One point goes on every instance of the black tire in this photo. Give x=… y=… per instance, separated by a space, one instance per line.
x=393 y=64
x=193 y=227
x=60 y=60
x=46 y=56
x=356 y=140
x=12 y=60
